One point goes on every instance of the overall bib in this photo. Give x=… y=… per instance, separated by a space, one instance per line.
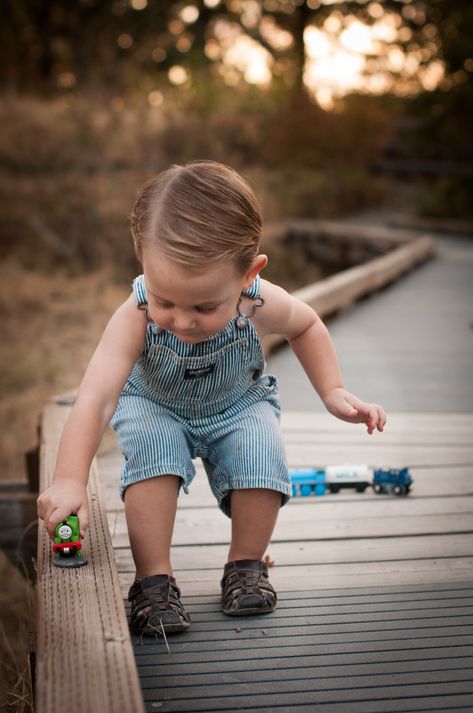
x=210 y=400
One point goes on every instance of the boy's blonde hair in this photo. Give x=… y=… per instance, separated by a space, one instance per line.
x=198 y=214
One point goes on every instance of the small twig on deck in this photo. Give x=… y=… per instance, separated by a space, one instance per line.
x=165 y=637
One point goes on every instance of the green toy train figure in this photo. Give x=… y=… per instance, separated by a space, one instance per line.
x=67 y=544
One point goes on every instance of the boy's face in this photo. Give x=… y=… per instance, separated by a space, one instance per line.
x=191 y=305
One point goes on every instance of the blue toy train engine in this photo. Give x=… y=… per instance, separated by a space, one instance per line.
x=392 y=480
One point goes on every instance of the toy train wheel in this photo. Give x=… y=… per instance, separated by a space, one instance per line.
x=378 y=489
x=399 y=490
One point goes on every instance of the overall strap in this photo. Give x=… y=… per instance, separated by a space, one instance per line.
x=253 y=290
x=139 y=289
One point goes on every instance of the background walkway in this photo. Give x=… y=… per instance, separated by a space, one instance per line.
x=409 y=347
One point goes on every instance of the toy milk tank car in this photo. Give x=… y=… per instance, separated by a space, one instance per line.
x=333 y=478
x=338 y=477
x=392 y=480
x=67 y=544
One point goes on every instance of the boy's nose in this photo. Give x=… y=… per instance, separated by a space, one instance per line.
x=183 y=321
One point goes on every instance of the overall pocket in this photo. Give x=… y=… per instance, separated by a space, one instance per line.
x=196 y=379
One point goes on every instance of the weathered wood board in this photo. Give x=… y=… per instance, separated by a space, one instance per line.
x=380 y=649
x=84 y=658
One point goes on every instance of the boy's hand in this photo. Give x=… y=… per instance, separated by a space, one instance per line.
x=348 y=407
x=64 y=497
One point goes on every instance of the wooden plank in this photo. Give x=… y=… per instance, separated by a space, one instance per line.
x=338 y=657
x=205 y=638
x=373 y=672
x=334 y=506
x=320 y=552
x=414 y=705
x=402 y=428
x=417 y=596
x=313 y=522
x=451 y=703
x=428 y=482
x=451 y=423
x=330 y=682
x=322 y=651
x=430 y=438
x=391 y=646
x=310 y=577
x=271 y=646
x=310 y=622
x=302 y=684
x=85 y=661
x=298 y=617
x=392 y=437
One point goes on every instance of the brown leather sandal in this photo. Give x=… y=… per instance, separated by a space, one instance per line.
x=156 y=604
x=246 y=589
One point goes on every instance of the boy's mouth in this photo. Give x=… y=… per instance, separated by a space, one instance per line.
x=189 y=336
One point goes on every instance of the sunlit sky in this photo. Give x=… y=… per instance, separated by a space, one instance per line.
x=344 y=55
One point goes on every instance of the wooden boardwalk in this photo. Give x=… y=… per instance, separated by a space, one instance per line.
x=375 y=611
x=375 y=606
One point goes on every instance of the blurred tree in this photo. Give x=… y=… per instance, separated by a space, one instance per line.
x=442 y=133
x=55 y=44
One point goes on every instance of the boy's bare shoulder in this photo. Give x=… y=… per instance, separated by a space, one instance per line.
x=282 y=313
x=128 y=323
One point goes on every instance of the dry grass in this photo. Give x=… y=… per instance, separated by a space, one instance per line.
x=51 y=324
x=17 y=623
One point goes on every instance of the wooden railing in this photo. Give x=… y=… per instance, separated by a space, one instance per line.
x=84 y=656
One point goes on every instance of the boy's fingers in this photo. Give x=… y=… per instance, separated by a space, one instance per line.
x=371 y=419
x=83 y=516
x=42 y=507
x=383 y=417
x=47 y=514
x=57 y=516
x=349 y=411
x=352 y=407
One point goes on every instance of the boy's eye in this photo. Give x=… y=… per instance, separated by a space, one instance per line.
x=163 y=305
x=206 y=310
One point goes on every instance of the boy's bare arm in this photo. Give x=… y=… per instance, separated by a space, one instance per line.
x=109 y=368
x=311 y=342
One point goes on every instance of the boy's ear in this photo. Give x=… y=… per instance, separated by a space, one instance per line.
x=258 y=264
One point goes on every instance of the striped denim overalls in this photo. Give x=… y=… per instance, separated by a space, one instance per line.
x=209 y=400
